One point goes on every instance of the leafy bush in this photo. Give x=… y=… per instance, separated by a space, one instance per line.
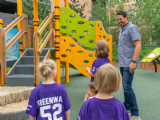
x=8 y=68
x=145 y=50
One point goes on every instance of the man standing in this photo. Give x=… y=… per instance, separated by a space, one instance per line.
x=128 y=55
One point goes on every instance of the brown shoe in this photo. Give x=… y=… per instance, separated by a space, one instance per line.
x=135 y=118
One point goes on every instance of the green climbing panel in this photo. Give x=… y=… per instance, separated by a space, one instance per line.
x=77 y=28
x=151 y=56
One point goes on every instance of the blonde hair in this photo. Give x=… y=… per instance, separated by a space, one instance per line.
x=92 y=88
x=101 y=49
x=46 y=68
x=107 y=79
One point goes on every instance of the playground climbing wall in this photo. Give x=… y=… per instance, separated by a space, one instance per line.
x=77 y=34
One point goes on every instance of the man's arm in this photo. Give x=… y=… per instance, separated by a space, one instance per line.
x=137 y=44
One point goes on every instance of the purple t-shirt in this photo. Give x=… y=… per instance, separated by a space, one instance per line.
x=97 y=63
x=48 y=102
x=103 y=109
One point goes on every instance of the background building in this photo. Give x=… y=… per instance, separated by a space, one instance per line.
x=7 y=10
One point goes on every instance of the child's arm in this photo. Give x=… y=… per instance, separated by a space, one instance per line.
x=31 y=118
x=68 y=114
x=89 y=72
x=86 y=97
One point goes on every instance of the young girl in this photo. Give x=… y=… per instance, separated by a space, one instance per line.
x=104 y=106
x=48 y=101
x=91 y=91
x=102 y=53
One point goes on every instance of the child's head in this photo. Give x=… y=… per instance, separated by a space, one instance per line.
x=91 y=89
x=47 y=68
x=101 y=49
x=107 y=79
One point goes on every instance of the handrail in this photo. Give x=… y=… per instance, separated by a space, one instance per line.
x=14 y=39
x=43 y=38
x=34 y=57
x=43 y=22
x=16 y=21
x=39 y=46
x=15 y=63
x=19 y=34
x=45 y=25
x=5 y=47
x=45 y=41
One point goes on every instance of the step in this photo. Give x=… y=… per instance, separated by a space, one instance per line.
x=29 y=52
x=14 y=111
x=20 y=80
x=28 y=60
x=24 y=69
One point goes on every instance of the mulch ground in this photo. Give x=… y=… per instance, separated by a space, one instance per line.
x=147 y=66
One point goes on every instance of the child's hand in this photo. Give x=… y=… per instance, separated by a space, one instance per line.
x=88 y=69
x=86 y=97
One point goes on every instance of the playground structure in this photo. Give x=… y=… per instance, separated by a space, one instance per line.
x=69 y=48
x=152 y=57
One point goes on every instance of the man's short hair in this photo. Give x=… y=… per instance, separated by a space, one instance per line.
x=123 y=13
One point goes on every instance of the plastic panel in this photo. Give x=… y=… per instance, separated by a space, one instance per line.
x=82 y=30
x=148 y=59
x=101 y=35
x=80 y=58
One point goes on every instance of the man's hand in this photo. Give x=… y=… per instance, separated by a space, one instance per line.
x=132 y=67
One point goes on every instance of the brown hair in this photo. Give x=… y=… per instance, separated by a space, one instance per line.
x=107 y=79
x=46 y=67
x=101 y=49
x=92 y=88
x=123 y=13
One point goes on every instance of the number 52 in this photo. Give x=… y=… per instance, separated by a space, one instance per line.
x=44 y=115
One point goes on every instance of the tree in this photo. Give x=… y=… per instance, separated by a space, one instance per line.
x=78 y=8
x=107 y=15
x=99 y=12
x=151 y=17
x=146 y=18
x=43 y=9
x=28 y=9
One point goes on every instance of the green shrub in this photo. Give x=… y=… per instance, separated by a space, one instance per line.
x=8 y=68
x=144 y=51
